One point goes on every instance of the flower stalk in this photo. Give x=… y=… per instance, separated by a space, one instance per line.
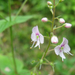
x=11 y=37
x=51 y=31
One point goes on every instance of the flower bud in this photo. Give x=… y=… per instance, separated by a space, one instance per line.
x=54 y=39
x=61 y=20
x=41 y=61
x=44 y=19
x=68 y=25
x=49 y=3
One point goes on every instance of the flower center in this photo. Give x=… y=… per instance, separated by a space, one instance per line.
x=61 y=48
x=37 y=36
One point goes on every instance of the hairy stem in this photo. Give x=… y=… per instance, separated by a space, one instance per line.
x=11 y=37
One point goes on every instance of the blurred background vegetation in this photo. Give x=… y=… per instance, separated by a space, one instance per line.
x=22 y=34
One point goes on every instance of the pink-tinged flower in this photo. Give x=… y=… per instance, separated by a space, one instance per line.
x=49 y=2
x=36 y=37
x=68 y=25
x=62 y=48
x=54 y=39
x=44 y=19
x=61 y=20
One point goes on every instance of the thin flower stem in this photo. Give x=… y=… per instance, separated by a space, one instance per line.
x=20 y=9
x=11 y=37
x=46 y=36
x=56 y=4
x=53 y=45
x=47 y=60
x=44 y=54
x=53 y=15
x=59 y=27
x=56 y=18
x=49 y=21
x=50 y=50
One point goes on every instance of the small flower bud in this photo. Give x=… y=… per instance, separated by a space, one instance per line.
x=68 y=25
x=49 y=3
x=44 y=19
x=41 y=61
x=54 y=39
x=61 y=20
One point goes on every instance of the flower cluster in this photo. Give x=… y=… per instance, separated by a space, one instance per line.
x=38 y=38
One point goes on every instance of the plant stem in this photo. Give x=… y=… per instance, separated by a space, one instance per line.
x=11 y=37
x=20 y=9
x=53 y=15
x=51 y=31
x=59 y=27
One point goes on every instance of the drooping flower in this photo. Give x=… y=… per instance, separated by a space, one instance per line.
x=36 y=37
x=54 y=39
x=61 y=20
x=44 y=19
x=62 y=48
x=68 y=25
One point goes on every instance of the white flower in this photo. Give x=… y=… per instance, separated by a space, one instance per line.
x=61 y=20
x=68 y=25
x=36 y=37
x=54 y=39
x=44 y=19
x=62 y=48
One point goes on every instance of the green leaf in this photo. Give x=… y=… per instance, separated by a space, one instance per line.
x=7 y=62
x=6 y=24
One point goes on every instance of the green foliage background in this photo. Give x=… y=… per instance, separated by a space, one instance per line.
x=22 y=33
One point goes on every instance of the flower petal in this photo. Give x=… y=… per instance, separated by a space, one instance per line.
x=66 y=48
x=41 y=39
x=65 y=41
x=33 y=36
x=38 y=43
x=62 y=55
x=57 y=49
x=35 y=29
x=70 y=53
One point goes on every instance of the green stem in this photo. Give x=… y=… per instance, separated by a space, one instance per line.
x=47 y=48
x=49 y=21
x=12 y=50
x=11 y=37
x=51 y=31
x=59 y=27
x=46 y=36
x=53 y=15
x=20 y=9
